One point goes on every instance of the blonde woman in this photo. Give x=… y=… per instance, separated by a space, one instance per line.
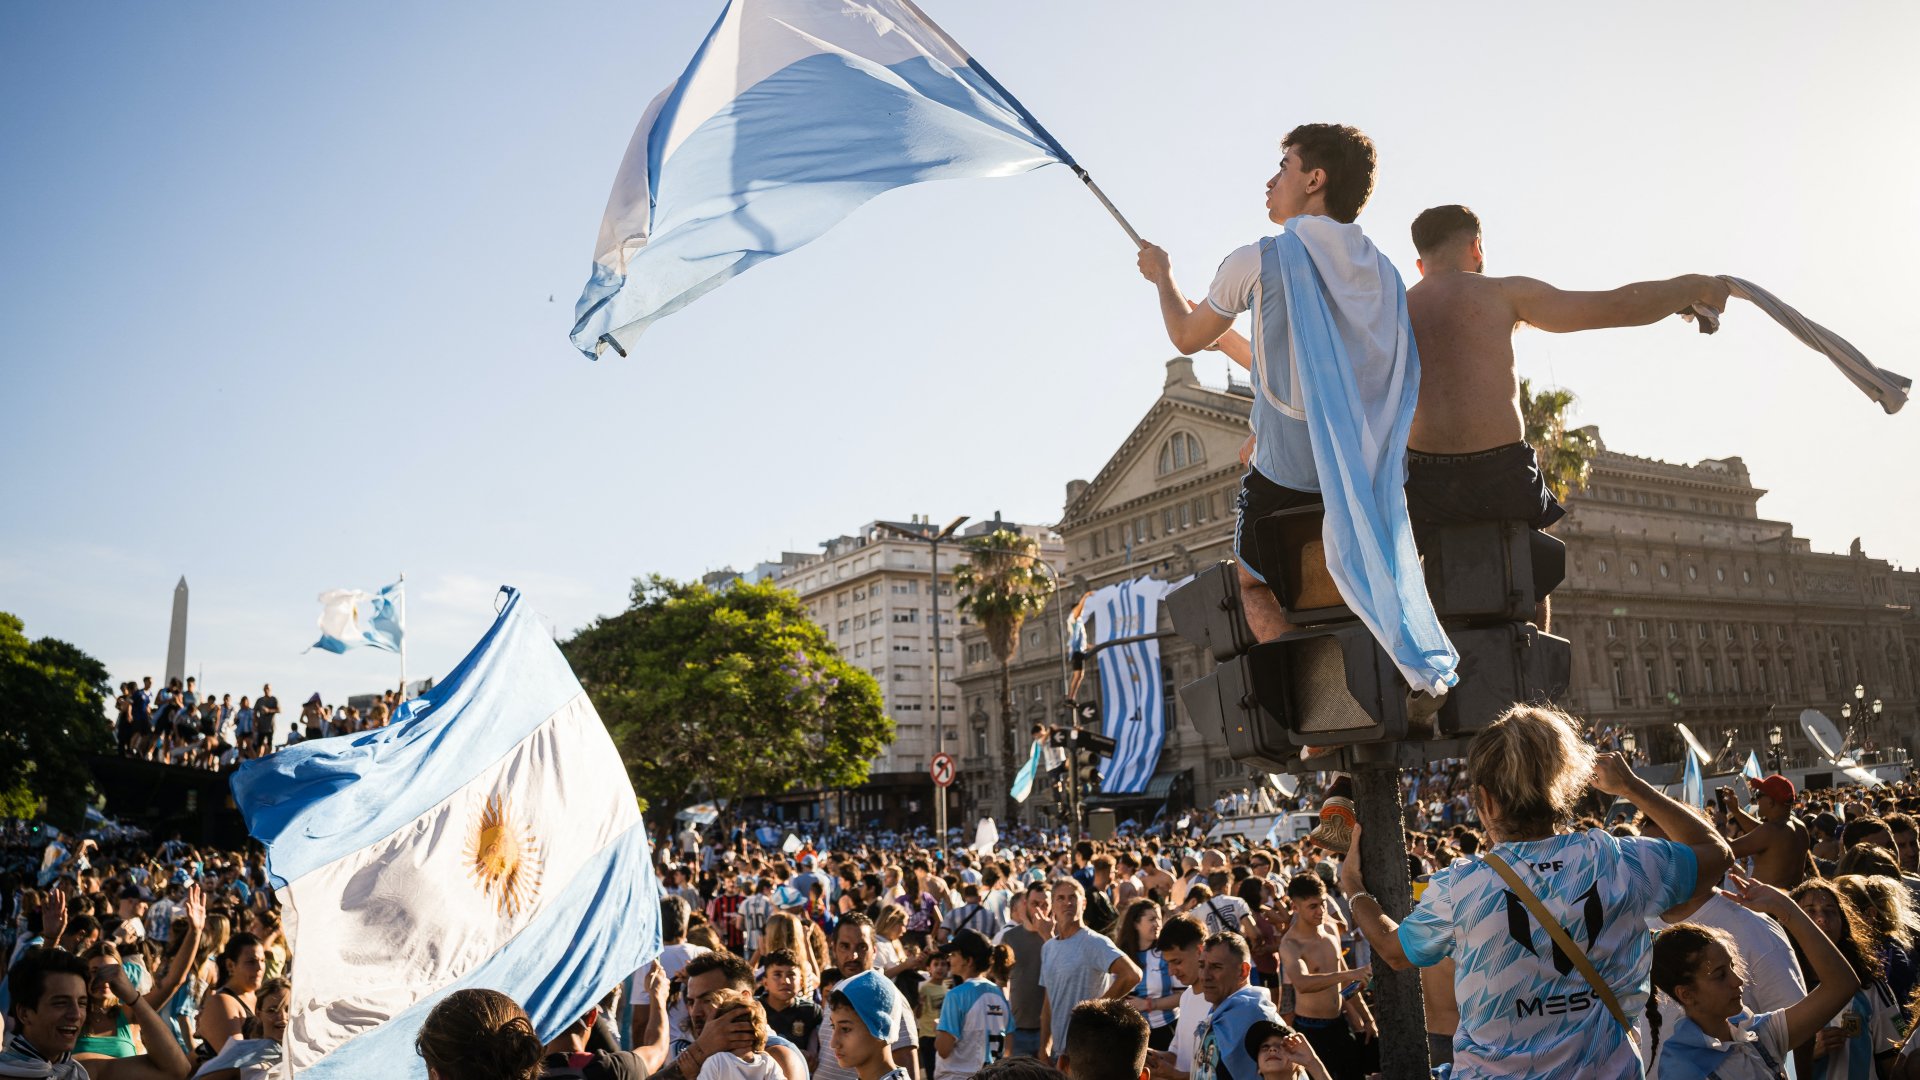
x=787 y=931
x=887 y=954
x=1529 y=773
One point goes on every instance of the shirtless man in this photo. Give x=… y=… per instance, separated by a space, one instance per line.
x=1467 y=458
x=1310 y=963
x=1777 y=841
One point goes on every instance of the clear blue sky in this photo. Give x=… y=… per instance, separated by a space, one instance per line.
x=274 y=286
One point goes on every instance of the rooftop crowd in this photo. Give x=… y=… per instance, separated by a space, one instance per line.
x=1723 y=943
x=178 y=725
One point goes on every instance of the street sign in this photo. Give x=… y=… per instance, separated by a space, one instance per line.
x=943 y=769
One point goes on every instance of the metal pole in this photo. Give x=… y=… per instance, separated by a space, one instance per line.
x=939 y=723
x=403 y=637
x=1400 y=1009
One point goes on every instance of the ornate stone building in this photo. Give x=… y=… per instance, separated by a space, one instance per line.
x=1681 y=601
x=1685 y=604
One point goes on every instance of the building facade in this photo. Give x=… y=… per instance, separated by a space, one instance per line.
x=1685 y=604
x=1681 y=601
x=873 y=592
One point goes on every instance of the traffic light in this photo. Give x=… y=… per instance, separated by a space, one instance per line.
x=1328 y=682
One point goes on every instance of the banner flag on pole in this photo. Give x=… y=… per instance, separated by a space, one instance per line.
x=791 y=115
x=350 y=618
x=487 y=837
x=1023 y=780
x=1132 y=695
x=1750 y=771
x=1693 y=787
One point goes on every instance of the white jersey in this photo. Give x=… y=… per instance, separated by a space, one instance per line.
x=1525 y=1009
x=978 y=1017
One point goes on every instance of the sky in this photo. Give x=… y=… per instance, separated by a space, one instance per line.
x=285 y=289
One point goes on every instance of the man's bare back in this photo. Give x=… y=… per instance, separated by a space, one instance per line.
x=1469 y=397
x=1779 y=850
x=1463 y=323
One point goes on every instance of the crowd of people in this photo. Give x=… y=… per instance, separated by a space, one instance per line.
x=178 y=725
x=1574 y=921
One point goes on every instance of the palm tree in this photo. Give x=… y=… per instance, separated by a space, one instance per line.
x=1566 y=457
x=1000 y=588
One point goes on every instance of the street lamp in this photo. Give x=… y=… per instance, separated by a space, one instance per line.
x=1774 y=738
x=933 y=578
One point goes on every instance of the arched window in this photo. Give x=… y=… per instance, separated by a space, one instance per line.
x=1179 y=451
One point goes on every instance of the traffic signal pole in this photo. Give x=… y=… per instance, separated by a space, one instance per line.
x=1399 y=1009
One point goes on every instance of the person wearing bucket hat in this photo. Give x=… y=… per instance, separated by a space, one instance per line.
x=863 y=1017
x=1282 y=1053
x=1773 y=838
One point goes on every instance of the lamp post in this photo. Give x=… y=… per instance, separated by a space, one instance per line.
x=1869 y=713
x=933 y=578
x=1774 y=754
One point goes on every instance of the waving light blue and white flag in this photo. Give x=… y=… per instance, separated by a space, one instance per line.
x=1023 y=780
x=791 y=115
x=488 y=837
x=1693 y=786
x=350 y=618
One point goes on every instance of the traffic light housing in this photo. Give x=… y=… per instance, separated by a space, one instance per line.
x=1329 y=683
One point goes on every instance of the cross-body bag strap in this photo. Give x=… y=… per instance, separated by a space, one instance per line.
x=1560 y=937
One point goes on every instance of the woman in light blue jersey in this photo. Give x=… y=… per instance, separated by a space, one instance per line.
x=1526 y=1008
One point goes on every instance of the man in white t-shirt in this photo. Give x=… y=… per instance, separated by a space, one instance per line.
x=1181 y=939
x=674 y=955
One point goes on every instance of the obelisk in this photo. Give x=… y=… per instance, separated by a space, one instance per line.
x=177 y=635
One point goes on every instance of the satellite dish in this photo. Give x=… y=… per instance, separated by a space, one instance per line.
x=1821 y=732
x=1287 y=784
x=1693 y=744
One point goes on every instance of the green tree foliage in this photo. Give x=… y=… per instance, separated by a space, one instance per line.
x=1000 y=587
x=729 y=693
x=54 y=700
x=1566 y=457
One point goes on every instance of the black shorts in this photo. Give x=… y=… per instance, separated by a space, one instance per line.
x=1259 y=497
x=1501 y=484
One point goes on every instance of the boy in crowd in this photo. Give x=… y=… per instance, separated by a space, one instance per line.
x=863 y=1021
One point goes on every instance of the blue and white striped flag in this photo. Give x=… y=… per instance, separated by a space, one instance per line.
x=1023 y=780
x=792 y=114
x=488 y=837
x=1693 y=787
x=1132 y=694
x=350 y=618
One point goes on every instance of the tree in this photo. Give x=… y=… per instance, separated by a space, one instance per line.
x=736 y=689
x=1000 y=587
x=54 y=697
x=1566 y=457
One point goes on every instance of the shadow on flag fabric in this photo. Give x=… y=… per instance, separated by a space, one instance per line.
x=1693 y=787
x=792 y=114
x=487 y=837
x=1023 y=780
x=350 y=618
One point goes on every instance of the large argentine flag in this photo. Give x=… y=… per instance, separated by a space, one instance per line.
x=1132 y=694
x=487 y=838
x=792 y=114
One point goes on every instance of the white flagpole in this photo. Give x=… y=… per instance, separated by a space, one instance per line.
x=403 y=637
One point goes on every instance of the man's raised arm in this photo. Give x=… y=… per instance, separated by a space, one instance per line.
x=1190 y=326
x=1559 y=311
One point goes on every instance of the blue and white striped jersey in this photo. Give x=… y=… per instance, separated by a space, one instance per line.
x=977 y=1015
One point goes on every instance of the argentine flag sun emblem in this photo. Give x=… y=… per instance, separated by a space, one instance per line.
x=503 y=858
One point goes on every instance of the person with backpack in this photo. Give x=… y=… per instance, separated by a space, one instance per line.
x=1529 y=989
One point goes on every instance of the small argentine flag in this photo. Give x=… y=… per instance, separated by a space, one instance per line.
x=350 y=618
x=488 y=837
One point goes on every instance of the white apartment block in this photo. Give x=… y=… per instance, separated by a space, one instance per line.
x=871 y=592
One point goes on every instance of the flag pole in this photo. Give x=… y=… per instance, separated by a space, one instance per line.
x=403 y=637
x=1032 y=122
